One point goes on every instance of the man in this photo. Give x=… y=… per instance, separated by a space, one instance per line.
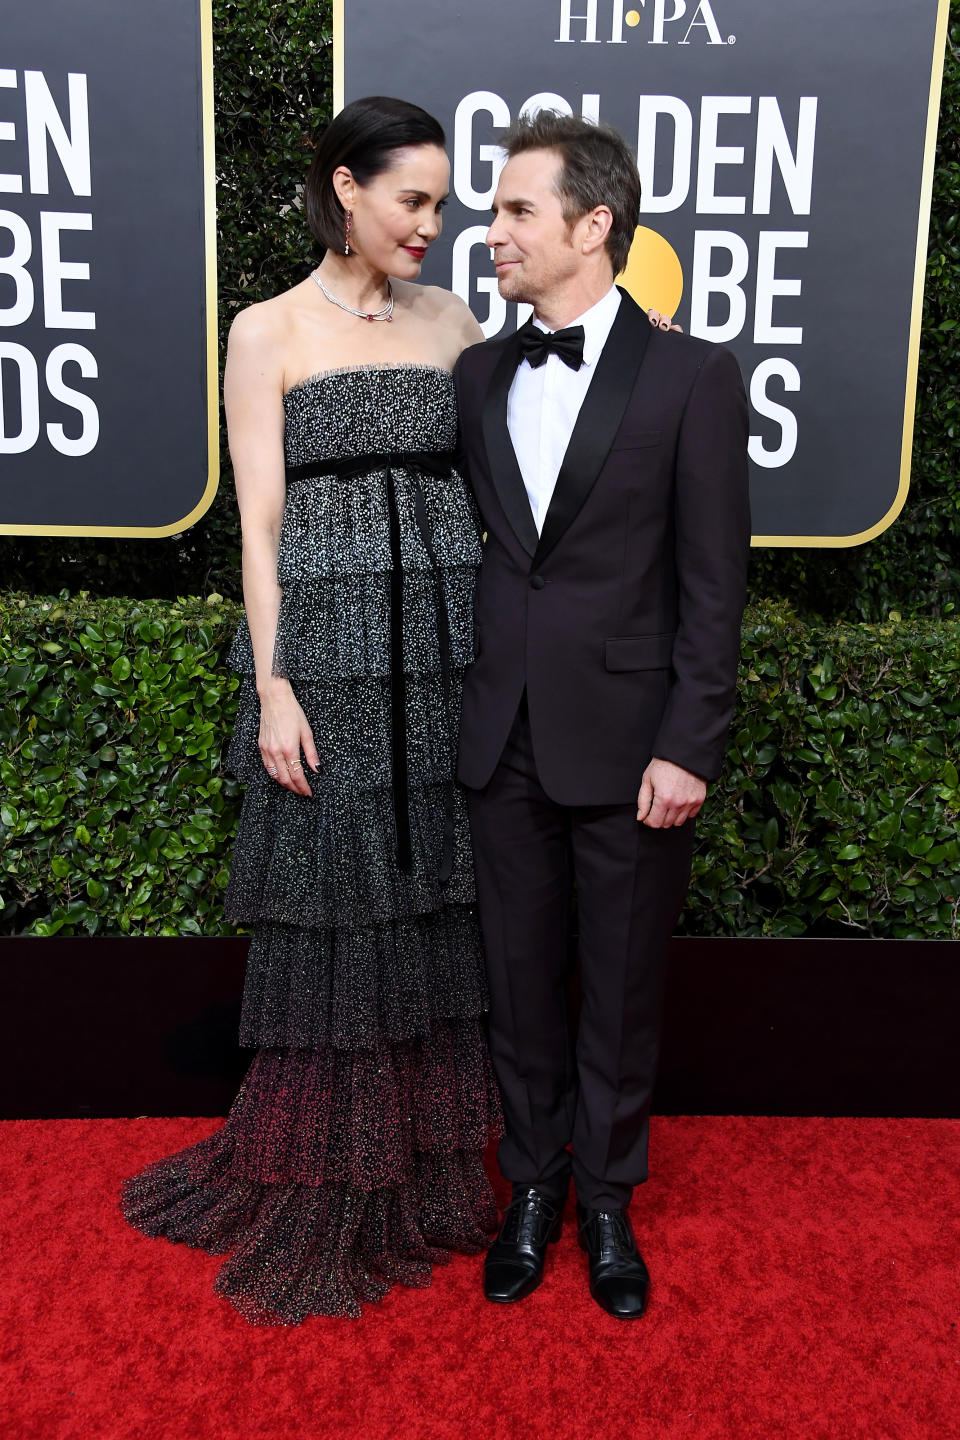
x=608 y=460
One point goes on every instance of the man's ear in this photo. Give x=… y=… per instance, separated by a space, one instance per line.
x=596 y=227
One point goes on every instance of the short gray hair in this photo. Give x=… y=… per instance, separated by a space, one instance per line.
x=597 y=168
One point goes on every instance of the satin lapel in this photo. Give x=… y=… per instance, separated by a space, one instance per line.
x=504 y=469
x=598 y=422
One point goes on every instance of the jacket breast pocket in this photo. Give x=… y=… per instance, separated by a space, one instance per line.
x=639 y=652
x=628 y=439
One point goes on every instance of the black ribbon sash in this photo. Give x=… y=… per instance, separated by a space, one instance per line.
x=410 y=460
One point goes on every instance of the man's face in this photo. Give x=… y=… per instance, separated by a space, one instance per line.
x=534 y=248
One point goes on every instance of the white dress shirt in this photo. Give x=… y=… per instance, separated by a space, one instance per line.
x=544 y=403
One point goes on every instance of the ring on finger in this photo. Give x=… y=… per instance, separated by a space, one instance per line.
x=272 y=771
x=294 y=764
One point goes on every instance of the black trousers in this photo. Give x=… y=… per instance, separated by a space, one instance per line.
x=587 y=1091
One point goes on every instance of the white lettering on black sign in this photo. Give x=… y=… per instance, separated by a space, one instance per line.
x=43 y=268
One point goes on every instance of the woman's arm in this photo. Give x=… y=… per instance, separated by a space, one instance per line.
x=253 y=398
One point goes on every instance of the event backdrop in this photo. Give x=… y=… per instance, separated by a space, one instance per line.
x=108 y=407
x=786 y=154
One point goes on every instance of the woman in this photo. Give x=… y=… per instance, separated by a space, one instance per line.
x=351 y=1158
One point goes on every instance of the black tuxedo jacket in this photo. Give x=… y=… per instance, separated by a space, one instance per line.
x=622 y=619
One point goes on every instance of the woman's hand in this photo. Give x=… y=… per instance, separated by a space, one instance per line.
x=662 y=322
x=284 y=734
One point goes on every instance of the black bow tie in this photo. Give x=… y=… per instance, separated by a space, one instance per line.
x=537 y=344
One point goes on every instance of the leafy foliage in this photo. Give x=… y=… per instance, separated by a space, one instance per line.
x=114 y=815
x=838 y=810
x=272 y=82
x=837 y=814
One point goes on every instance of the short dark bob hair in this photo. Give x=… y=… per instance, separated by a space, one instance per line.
x=363 y=137
x=597 y=168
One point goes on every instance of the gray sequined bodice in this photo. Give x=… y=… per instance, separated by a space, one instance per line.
x=370 y=409
x=334 y=559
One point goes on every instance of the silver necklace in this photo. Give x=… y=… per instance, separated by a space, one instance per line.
x=384 y=313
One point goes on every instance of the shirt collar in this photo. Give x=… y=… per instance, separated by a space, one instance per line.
x=597 y=323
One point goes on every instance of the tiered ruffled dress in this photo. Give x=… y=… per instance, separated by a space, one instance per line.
x=352 y=1156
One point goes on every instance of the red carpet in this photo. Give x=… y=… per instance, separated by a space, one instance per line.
x=806 y=1285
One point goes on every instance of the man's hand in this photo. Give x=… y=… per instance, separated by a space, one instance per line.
x=669 y=795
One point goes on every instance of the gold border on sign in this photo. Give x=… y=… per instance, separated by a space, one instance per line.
x=210 y=274
x=836 y=542
x=338 y=100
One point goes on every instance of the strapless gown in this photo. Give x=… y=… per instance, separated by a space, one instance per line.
x=352 y=1156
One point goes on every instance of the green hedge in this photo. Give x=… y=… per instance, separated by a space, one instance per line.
x=272 y=70
x=837 y=813
x=114 y=814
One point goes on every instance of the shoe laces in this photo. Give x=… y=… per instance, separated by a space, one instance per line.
x=524 y=1218
x=611 y=1229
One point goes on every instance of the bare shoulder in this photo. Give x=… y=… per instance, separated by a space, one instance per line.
x=468 y=326
x=428 y=300
x=265 y=323
x=443 y=302
x=442 y=307
x=456 y=311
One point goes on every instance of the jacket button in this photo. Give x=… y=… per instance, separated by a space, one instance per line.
x=537 y=582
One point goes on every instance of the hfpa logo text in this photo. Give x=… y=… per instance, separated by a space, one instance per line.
x=699 y=20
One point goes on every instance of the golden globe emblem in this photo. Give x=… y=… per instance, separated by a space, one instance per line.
x=653 y=275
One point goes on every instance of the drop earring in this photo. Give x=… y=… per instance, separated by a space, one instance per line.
x=348 y=221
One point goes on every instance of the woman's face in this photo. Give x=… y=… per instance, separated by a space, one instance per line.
x=397 y=214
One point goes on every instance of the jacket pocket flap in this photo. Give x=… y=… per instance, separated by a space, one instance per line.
x=635 y=439
x=639 y=652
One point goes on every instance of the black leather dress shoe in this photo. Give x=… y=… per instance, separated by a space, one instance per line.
x=514 y=1264
x=619 y=1280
